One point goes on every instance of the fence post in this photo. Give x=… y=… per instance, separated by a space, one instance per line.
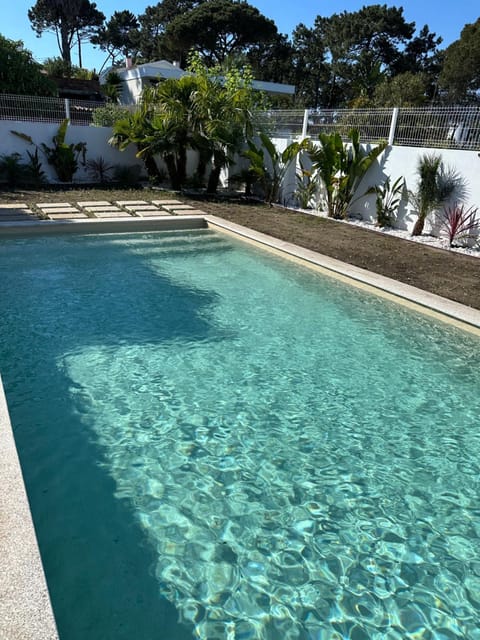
x=305 y=123
x=393 y=126
x=67 y=108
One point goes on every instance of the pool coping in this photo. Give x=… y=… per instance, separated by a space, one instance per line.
x=25 y=607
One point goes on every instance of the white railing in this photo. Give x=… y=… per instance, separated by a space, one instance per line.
x=436 y=127
x=48 y=109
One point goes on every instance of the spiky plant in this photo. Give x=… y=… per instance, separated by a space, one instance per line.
x=436 y=184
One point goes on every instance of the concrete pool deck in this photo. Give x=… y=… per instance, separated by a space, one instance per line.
x=25 y=608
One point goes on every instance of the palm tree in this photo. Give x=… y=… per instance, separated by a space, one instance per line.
x=436 y=184
x=135 y=129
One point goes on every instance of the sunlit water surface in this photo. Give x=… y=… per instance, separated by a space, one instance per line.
x=222 y=445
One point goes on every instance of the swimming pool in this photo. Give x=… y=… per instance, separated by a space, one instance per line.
x=219 y=444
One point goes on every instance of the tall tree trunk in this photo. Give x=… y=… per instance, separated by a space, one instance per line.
x=79 y=43
x=419 y=225
x=66 y=53
x=172 y=171
x=150 y=166
x=214 y=179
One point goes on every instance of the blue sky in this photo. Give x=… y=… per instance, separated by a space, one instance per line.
x=445 y=19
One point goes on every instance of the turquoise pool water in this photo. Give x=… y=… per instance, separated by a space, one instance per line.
x=219 y=444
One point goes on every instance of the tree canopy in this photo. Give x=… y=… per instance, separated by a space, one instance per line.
x=218 y=29
x=19 y=73
x=151 y=41
x=460 y=75
x=70 y=20
x=119 y=36
x=349 y=54
x=368 y=57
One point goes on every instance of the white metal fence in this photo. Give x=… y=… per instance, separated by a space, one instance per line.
x=436 y=127
x=48 y=109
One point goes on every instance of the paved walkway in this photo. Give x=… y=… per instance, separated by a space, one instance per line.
x=19 y=211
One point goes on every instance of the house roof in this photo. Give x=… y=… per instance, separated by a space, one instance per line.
x=164 y=69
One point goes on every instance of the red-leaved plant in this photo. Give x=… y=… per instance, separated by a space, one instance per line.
x=459 y=222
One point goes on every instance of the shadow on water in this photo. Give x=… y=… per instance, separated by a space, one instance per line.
x=55 y=301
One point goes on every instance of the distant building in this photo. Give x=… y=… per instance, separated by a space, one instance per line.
x=136 y=78
x=79 y=89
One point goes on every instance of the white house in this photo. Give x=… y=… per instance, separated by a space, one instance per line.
x=137 y=77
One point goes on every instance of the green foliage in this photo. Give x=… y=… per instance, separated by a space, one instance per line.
x=11 y=169
x=119 y=35
x=224 y=107
x=436 y=184
x=70 y=20
x=107 y=115
x=15 y=172
x=112 y=87
x=306 y=186
x=57 y=68
x=279 y=163
x=127 y=175
x=136 y=128
x=34 y=174
x=202 y=111
x=341 y=168
x=346 y=56
x=99 y=170
x=387 y=201
x=403 y=90
x=460 y=75
x=219 y=28
x=19 y=73
x=63 y=157
x=151 y=40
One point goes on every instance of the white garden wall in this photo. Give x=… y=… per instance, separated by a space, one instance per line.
x=95 y=137
x=397 y=161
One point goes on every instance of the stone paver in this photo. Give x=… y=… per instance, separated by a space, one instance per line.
x=94 y=203
x=127 y=203
x=177 y=207
x=189 y=212
x=142 y=207
x=13 y=211
x=61 y=210
x=146 y=213
x=66 y=216
x=52 y=205
x=112 y=214
x=108 y=207
x=160 y=203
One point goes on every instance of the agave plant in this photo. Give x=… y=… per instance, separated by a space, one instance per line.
x=341 y=168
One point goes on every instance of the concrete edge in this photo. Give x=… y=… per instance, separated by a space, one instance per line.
x=25 y=607
x=102 y=225
x=466 y=318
